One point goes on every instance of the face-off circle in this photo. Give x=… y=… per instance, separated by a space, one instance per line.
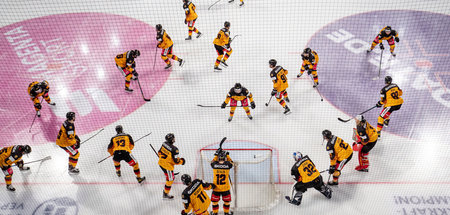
x=421 y=68
x=75 y=53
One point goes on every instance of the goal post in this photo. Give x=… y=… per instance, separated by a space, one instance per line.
x=253 y=176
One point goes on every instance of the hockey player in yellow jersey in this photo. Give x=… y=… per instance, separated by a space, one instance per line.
x=241 y=4
x=69 y=141
x=194 y=196
x=9 y=156
x=340 y=154
x=239 y=93
x=166 y=44
x=221 y=170
x=191 y=17
x=36 y=90
x=127 y=66
x=310 y=60
x=168 y=158
x=280 y=84
x=306 y=176
x=391 y=101
x=222 y=45
x=389 y=34
x=120 y=148
x=366 y=137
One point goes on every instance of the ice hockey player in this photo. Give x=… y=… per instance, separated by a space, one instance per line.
x=241 y=4
x=310 y=59
x=191 y=17
x=306 y=176
x=239 y=93
x=366 y=137
x=120 y=147
x=390 y=98
x=340 y=154
x=9 y=156
x=194 y=196
x=36 y=90
x=222 y=44
x=127 y=66
x=69 y=141
x=168 y=158
x=166 y=44
x=221 y=170
x=280 y=84
x=389 y=34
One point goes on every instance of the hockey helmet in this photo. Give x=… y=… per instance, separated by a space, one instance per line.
x=43 y=84
x=327 y=134
x=297 y=156
x=307 y=51
x=135 y=53
x=360 y=118
x=222 y=156
x=226 y=24
x=388 y=28
x=24 y=149
x=119 y=129
x=170 y=137
x=158 y=27
x=272 y=62
x=237 y=88
x=388 y=80
x=70 y=115
x=186 y=179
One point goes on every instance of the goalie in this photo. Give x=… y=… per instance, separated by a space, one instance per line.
x=221 y=165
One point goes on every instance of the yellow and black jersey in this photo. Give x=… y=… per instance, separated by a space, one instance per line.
x=164 y=41
x=311 y=60
x=189 y=10
x=221 y=175
x=390 y=95
x=121 y=142
x=367 y=133
x=279 y=78
x=304 y=170
x=223 y=37
x=9 y=156
x=125 y=60
x=37 y=89
x=168 y=156
x=383 y=36
x=239 y=96
x=338 y=150
x=67 y=135
x=194 y=195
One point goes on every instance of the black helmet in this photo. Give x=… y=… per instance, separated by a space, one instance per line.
x=226 y=24
x=222 y=156
x=326 y=134
x=307 y=50
x=70 y=115
x=388 y=80
x=186 y=179
x=238 y=86
x=119 y=129
x=272 y=62
x=388 y=28
x=170 y=137
x=43 y=84
x=135 y=53
x=24 y=149
x=158 y=27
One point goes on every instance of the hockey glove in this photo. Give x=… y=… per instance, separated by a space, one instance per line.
x=331 y=169
x=274 y=92
x=218 y=151
x=20 y=164
x=223 y=105
x=77 y=145
x=182 y=161
x=227 y=46
x=381 y=46
x=38 y=106
x=183 y=212
x=397 y=39
x=379 y=104
x=252 y=104
x=185 y=22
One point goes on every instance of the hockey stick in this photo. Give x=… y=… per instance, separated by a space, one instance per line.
x=320 y=94
x=232 y=39
x=175 y=173
x=221 y=142
x=154 y=59
x=267 y=104
x=134 y=141
x=323 y=171
x=43 y=159
x=35 y=115
x=92 y=136
x=340 y=119
x=145 y=99
x=216 y=106
x=290 y=198
x=381 y=59
x=214 y=4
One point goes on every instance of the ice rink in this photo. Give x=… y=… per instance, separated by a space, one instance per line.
x=72 y=45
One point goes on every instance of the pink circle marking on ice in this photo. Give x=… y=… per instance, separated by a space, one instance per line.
x=75 y=53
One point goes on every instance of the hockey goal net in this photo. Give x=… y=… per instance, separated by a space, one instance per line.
x=253 y=176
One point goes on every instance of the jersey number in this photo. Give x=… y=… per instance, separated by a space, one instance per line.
x=121 y=143
x=309 y=169
x=163 y=156
x=220 y=179
x=283 y=78
x=202 y=197
x=59 y=134
x=3 y=150
x=218 y=36
x=394 y=95
x=342 y=145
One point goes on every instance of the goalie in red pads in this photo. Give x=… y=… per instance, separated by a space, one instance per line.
x=366 y=137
